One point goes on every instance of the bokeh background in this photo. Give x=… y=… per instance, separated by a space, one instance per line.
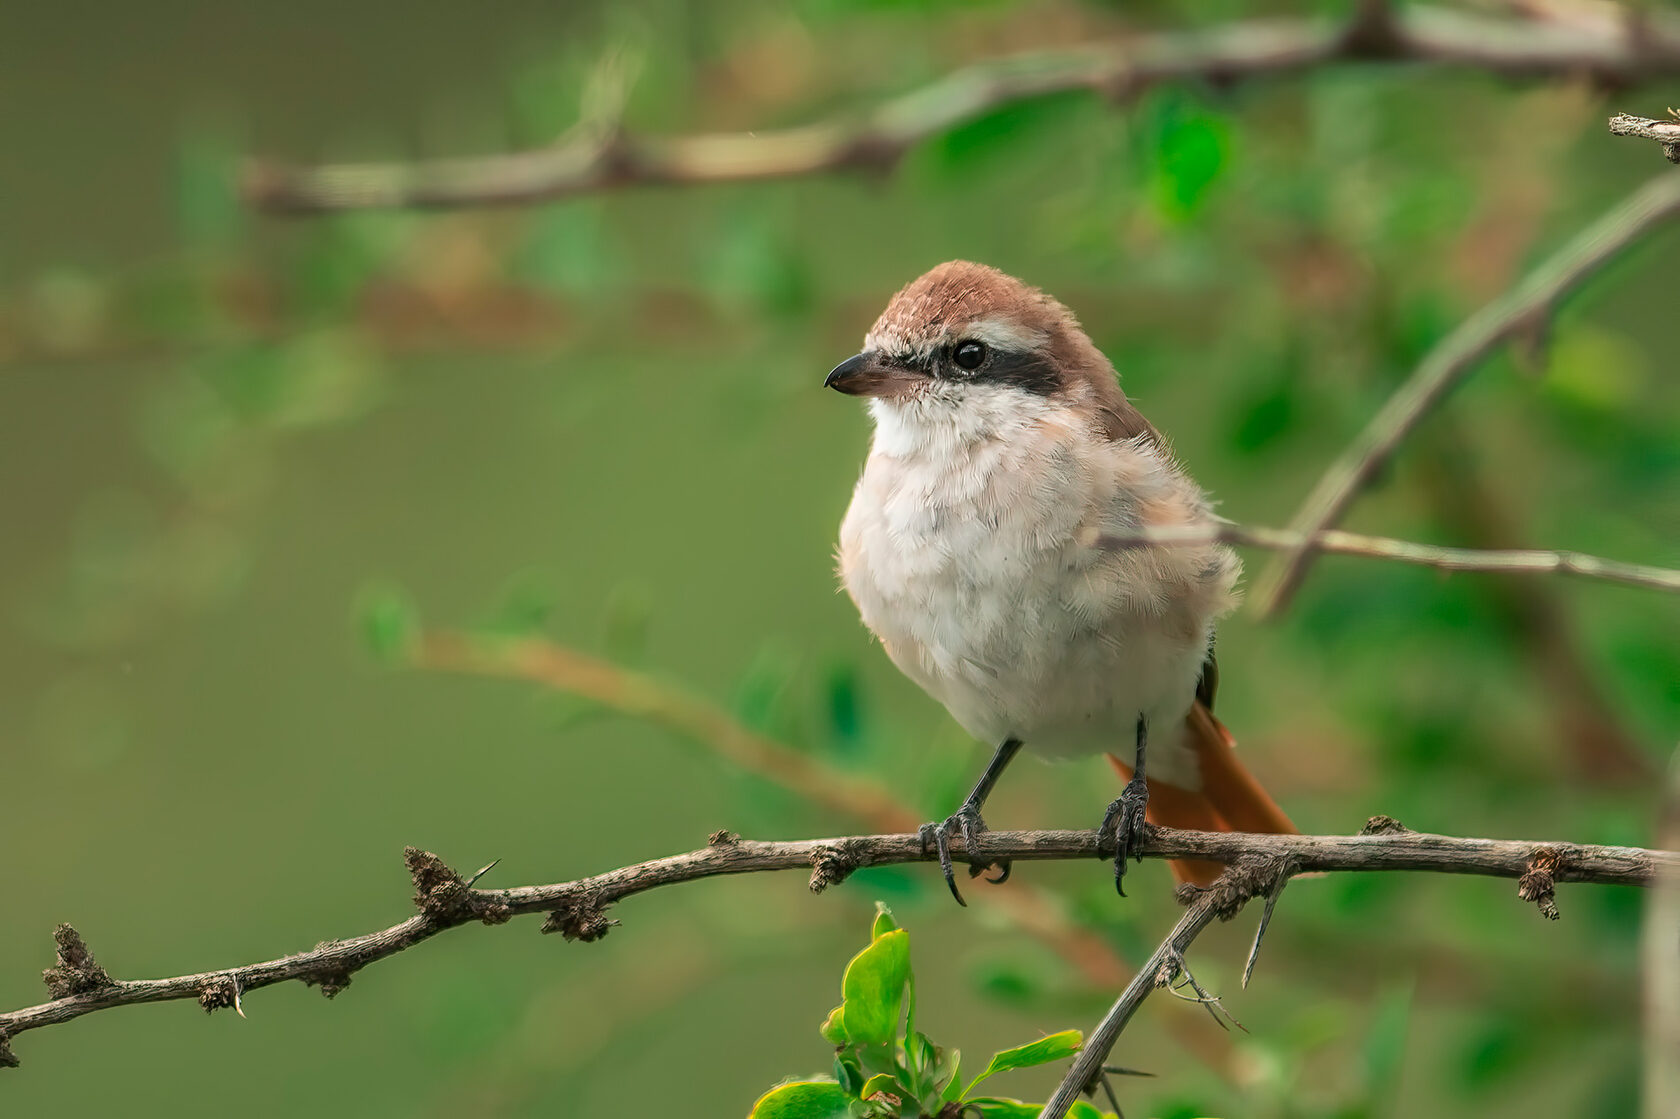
x=245 y=460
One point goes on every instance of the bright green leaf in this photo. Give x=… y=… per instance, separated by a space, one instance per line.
x=882 y=1082
x=803 y=1099
x=1192 y=148
x=1083 y=1109
x=884 y=922
x=874 y=988
x=990 y=1107
x=1040 y=1052
x=834 y=1026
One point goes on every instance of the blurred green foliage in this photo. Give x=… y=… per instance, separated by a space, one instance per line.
x=601 y=421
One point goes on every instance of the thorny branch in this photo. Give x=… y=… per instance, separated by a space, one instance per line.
x=577 y=909
x=1223 y=900
x=1034 y=910
x=1521 y=313
x=1258 y=875
x=606 y=156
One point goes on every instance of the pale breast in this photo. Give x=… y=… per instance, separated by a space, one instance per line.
x=977 y=567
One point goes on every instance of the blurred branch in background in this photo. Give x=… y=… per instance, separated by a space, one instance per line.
x=638 y=695
x=1520 y=315
x=642 y=696
x=577 y=909
x=606 y=156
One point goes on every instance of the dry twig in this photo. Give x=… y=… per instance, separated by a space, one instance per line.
x=577 y=909
x=1523 y=311
x=1513 y=561
x=1664 y=132
x=603 y=158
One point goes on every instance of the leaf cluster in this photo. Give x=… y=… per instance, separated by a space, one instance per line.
x=885 y=1068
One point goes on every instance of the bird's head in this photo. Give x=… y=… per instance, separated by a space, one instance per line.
x=968 y=344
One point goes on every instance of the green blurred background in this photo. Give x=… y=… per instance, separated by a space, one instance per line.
x=225 y=439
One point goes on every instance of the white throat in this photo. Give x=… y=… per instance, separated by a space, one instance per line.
x=949 y=420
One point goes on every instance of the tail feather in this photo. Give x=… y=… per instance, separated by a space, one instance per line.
x=1230 y=799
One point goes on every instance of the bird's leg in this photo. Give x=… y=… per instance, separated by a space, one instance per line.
x=1124 y=818
x=967 y=821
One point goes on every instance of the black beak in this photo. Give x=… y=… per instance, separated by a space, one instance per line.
x=871 y=374
x=848 y=370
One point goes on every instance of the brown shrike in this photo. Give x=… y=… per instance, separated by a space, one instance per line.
x=980 y=549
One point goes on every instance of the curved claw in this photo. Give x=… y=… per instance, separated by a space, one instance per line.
x=968 y=822
x=1125 y=821
x=941 y=836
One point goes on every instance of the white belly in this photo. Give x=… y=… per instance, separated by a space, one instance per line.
x=981 y=579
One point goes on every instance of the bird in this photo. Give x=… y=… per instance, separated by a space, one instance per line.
x=986 y=548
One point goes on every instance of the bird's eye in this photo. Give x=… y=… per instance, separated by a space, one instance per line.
x=970 y=354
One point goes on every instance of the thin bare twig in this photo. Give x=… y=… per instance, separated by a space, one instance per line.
x=606 y=158
x=1664 y=132
x=577 y=909
x=1518 y=312
x=1514 y=561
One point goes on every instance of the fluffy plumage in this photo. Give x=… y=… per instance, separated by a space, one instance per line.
x=971 y=546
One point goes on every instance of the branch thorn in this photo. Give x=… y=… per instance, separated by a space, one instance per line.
x=1538 y=884
x=76 y=972
x=1272 y=895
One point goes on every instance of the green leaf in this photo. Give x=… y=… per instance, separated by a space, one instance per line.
x=1192 y=147
x=834 y=1026
x=946 y=1075
x=525 y=605
x=1040 y=1052
x=920 y=1054
x=993 y=140
x=848 y=1073
x=884 y=922
x=844 y=707
x=874 y=988
x=1083 y=1109
x=991 y=1107
x=803 y=1099
x=882 y=1082
x=388 y=621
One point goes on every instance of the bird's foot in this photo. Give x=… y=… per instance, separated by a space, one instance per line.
x=1124 y=823
x=965 y=821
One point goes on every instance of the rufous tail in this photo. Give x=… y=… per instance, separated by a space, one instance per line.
x=1230 y=799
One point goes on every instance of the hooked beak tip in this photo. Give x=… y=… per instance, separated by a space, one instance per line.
x=840 y=374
